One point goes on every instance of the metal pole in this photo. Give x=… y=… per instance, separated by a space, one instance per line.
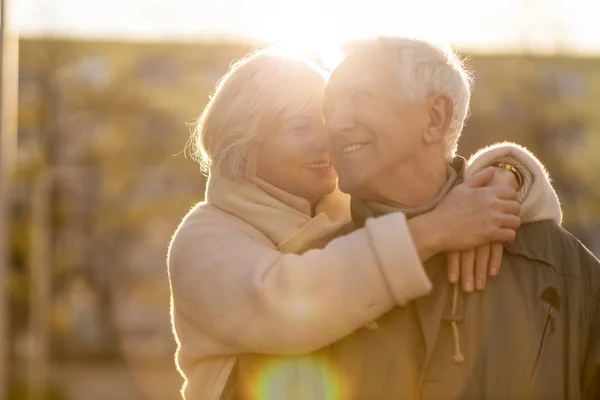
x=40 y=286
x=9 y=65
x=40 y=277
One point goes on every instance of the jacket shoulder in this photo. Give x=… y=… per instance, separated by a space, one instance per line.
x=207 y=215
x=547 y=242
x=206 y=222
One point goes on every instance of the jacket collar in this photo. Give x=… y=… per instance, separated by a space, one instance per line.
x=361 y=210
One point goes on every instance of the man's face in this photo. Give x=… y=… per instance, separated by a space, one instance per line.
x=372 y=129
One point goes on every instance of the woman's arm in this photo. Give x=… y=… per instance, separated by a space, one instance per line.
x=538 y=198
x=237 y=288
x=249 y=296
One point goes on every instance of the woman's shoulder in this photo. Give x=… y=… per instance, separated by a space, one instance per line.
x=207 y=232
x=205 y=212
x=205 y=221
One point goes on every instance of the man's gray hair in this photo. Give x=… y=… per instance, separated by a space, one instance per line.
x=423 y=68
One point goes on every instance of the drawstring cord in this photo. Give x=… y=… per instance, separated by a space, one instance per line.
x=454 y=319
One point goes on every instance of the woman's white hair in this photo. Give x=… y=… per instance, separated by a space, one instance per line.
x=423 y=68
x=247 y=105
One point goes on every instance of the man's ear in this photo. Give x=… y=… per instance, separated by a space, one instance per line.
x=440 y=108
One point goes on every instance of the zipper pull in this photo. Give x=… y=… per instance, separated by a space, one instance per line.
x=552 y=317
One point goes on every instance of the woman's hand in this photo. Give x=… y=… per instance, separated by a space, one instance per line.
x=474 y=265
x=473 y=214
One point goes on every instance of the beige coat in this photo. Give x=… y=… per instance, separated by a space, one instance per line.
x=238 y=288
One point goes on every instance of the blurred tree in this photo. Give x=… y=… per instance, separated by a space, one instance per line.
x=544 y=103
x=116 y=111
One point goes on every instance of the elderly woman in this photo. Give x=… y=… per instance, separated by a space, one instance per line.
x=250 y=268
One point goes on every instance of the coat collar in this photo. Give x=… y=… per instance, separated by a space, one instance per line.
x=361 y=210
x=284 y=218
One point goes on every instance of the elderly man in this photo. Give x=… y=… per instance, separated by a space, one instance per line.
x=395 y=108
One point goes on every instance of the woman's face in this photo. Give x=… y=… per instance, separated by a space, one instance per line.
x=295 y=157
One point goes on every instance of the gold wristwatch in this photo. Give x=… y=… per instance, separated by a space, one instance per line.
x=512 y=169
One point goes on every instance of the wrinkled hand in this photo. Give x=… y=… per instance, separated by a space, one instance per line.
x=474 y=265
x=472 y=214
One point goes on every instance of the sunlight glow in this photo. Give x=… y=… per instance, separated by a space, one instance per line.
x=295 y=378
x=482 y=25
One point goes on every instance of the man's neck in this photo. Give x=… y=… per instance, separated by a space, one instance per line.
x=409 y=185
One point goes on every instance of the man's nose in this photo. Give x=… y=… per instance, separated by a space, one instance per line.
x=340 y=120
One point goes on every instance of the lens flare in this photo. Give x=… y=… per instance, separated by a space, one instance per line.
x=295 y=378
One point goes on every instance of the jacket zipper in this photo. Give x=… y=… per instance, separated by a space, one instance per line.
x=550 y=316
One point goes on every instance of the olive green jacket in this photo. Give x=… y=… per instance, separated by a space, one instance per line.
x=533 y=333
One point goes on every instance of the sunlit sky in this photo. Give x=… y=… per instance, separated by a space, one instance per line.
x=487 y=25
